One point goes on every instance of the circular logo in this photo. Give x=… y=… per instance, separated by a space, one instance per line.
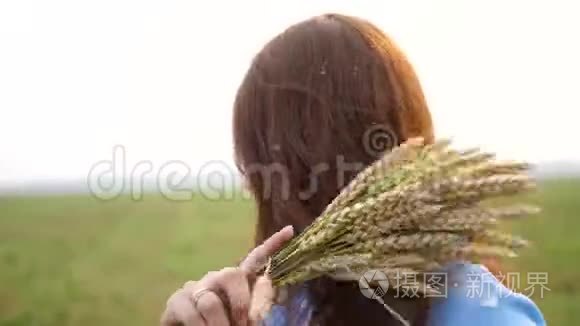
x=379 y=139
x=373 y=284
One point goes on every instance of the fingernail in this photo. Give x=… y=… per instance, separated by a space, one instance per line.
x=288 y=228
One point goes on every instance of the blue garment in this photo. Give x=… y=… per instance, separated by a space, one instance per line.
x=474 y=297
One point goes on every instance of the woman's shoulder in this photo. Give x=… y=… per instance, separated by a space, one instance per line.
x=473 y=297
x=297 y=312
x=476 y=297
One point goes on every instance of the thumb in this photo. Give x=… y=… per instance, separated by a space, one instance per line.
x=262 y=300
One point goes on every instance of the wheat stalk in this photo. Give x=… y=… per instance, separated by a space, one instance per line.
x=416 y=209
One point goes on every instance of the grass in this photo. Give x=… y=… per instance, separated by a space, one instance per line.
x=556 y=246
x=77 y=260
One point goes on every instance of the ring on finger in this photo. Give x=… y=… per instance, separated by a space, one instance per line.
x=198 y=294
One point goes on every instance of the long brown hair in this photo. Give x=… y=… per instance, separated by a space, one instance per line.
x=307 y=109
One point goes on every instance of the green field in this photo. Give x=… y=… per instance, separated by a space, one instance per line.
x=79 y=261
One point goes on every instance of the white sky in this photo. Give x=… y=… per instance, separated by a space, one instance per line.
x=159 y=77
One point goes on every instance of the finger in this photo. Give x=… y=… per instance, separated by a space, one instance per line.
x=232 y=286
x=211 y=309
x=168 y=318
x=190 y=285
x=258 y=257
x=262 y=299
x=236 y=288
x=179 y=311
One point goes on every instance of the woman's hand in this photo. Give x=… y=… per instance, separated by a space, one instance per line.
x=228 y=297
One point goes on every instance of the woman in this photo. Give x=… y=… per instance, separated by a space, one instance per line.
x=306 y=120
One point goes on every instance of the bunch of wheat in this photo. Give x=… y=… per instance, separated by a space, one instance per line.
x=412 y=211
